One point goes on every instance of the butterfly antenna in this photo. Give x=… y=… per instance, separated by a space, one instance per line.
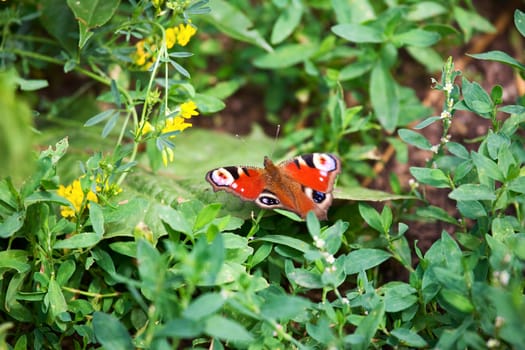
x=277 y=131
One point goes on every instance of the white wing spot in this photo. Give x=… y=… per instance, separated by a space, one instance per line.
x=234 y=186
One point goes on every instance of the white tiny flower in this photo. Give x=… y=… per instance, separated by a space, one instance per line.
x=493 y=343
x=330 y=259
x=320 y=243
x=345 y=301
x=448 y=87
x=444 y=115
x=504 y=278
x=499 y=321
x=435 y=148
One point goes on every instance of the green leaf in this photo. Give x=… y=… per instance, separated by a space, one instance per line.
x=499 y=56
x=285 y=56
x=517 y=185
x=415 y=139
x=366 y=194
x=208 y=104
x=358 y=33
x=55 y=299
x=470 y=20
x=226 y=329
x=91 y=14
x=149 y=262
x=519 y=21
x=78 y=241
x=486 y=168
x=417 y=37
x=284 y=307
x=286 y=241
x=313 y=225
x=65 y=271
x=477 y=99
x=369 y=325
x=457 y=300
x=14 y=259
x=364 y=259
x=12 y=224
x=427 y=122
x=180 y=328
x=458 y=150
x=306 y=279
x=97 y=218
x=437 y=213
x=471 y=209
x=125 y=248
x=260 y=254
x=100 y=117
x=372 y=217
x=206 y=215
x=287 y=21
x=31 y=84
x=425 y=9
x=427 y=56
x=354 y=70
x=408 y=337
x=57 y=18
x=234 y=23
x=471 y=192
x=203 y=306
x=174 y=219
x=44 y=196
x=384 y=96
x=398 y=296
x=433 y=177
x=110 y=332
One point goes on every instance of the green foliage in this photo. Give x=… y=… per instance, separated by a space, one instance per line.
x=125 y=257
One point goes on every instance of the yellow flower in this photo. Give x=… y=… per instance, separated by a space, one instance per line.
x=146 y=128
x=171 y=37
x=188 y=109
x=141 y=56
x=184 y=33
x=74 y=194
x=157 y=3
x=167 y=156
x=175 y=124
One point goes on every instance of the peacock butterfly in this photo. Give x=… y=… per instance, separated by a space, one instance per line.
x=300 y=185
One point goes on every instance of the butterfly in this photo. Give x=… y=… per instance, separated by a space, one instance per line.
x=299 y=185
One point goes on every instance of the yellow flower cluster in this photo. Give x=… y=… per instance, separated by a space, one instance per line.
x=173 y=124
x=180 y=35
x=74 y=194
x=144 y=54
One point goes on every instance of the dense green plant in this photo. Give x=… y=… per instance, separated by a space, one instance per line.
x=124 y=260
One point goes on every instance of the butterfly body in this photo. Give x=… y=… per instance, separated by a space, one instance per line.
x=300 y=185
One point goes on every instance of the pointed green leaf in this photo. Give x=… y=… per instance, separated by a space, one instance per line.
x=364 y=259
x=384 y=96
x=110 y=332
x=358 y=33
x=226 y=329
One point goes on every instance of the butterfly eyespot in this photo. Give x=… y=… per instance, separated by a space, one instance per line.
x=318 y=197
x=324 y=162
x=222 y=177
x=268 y=200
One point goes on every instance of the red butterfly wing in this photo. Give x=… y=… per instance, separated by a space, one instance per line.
x=244 y=182
x=316 y=171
